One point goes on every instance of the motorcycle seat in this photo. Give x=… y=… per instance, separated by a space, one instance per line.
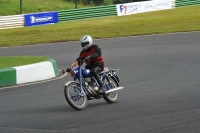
x=106 y=69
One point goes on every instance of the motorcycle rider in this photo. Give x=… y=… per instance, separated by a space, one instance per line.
x=94 y=59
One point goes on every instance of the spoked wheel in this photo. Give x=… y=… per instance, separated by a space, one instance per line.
x=112 y=97
x=74 y=97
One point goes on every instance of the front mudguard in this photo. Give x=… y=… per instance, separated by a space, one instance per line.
x=71 y=82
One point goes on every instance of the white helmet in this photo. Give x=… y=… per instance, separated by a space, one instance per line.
x=86 y=40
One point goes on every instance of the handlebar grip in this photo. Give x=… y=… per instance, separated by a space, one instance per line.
x=63 y=71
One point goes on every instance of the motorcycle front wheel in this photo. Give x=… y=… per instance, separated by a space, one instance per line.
x=74 y=97
x=112 y=97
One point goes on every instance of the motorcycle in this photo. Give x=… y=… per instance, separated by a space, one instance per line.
x=84 y=87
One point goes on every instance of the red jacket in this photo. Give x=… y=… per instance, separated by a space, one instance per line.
x=97 y=58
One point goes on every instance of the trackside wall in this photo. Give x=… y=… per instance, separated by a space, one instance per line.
x=29 y=73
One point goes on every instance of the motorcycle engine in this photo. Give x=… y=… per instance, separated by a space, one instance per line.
x=90 y=87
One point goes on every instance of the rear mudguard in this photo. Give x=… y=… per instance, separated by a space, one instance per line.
x=115 y=79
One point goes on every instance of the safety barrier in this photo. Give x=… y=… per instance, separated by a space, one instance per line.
x=173 y=3
x=29 y=73
x=85 y=13
x=15 y=21
x=12 y=21
x=180 y=3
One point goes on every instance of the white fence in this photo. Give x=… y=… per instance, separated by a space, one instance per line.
x=173 y=3
x=12 y=21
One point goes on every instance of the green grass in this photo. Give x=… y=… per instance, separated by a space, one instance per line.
x=166 y=21
x=12 y=7
x=11 y=61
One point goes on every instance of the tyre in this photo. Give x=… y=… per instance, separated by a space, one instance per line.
x=74 y=97
x=112 y=97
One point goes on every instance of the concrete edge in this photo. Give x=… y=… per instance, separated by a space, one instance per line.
x=28 y=73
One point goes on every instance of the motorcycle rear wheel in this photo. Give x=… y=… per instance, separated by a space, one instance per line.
x=112 y=97
x=74 y=98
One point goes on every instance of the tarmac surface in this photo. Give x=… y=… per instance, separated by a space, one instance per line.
x=161 y=79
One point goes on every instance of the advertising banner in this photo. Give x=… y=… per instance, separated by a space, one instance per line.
x=139 y=7
x=41 y=18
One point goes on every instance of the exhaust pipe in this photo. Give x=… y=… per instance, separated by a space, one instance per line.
x=114 y=90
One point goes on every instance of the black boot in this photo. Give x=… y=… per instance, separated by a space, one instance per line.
x=101 y=90
x=95 y=72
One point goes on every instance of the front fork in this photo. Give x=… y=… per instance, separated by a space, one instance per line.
x=80 y=81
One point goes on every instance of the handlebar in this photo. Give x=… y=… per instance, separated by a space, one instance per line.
x=68 y=70
x=80 y=62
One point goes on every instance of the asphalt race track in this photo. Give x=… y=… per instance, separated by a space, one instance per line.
x=161 y=79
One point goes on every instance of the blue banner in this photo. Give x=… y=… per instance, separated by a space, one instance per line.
x=41 y=18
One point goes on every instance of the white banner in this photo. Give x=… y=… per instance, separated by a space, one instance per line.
x=139 y=7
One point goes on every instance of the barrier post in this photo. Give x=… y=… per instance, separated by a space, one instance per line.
x=20 y=6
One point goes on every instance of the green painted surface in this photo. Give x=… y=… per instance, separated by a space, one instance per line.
x=7 y=76
x=86 y=13
x=54 y=66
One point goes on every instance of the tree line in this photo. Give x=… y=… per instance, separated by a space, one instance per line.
x=103 y=2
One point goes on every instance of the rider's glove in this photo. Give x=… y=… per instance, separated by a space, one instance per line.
x=68 y=70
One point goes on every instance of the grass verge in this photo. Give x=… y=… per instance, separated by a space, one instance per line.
x=166 y=21
x=12 y=7
x=11 y=61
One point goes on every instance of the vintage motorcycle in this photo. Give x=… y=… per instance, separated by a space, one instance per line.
x=85 y=87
